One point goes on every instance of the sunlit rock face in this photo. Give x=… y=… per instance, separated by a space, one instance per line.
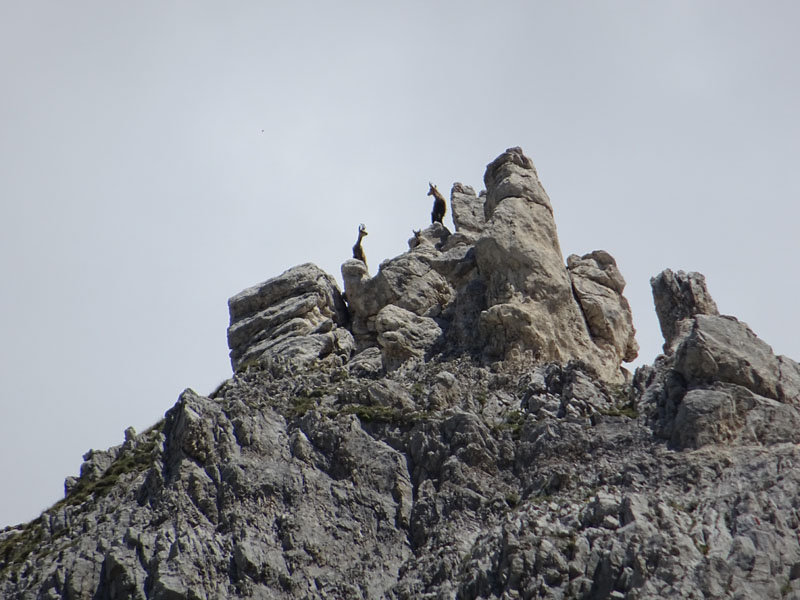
x=498 y=287
x=296 y=318
x=533 y=303
x=495 y=289
x=457 y=425
x=678 y=297
x=718 y=382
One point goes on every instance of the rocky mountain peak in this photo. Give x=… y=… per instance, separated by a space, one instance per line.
x=455 y=426
x=497 y=288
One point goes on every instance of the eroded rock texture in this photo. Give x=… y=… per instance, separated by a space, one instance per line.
x=720 y=382
x=498 y=287
x=352 y=456
x=296 y=318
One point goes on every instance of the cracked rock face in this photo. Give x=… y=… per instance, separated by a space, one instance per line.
x=679 y=296
x=352 y=456
x=529 y=297
x=598 y=286
x=296 y=317
x=719 y=382
x=498 y=287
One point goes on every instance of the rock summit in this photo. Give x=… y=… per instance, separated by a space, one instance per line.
x=457 y=426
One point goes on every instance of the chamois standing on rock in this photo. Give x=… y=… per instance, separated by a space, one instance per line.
x=358 y=251
x=439 y=206
x=413 y=243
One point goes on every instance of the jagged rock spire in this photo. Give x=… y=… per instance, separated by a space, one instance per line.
x=677 y=297
x=497 y=288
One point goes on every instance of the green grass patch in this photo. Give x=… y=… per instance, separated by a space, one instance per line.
x=369 y=414
x=513 y=421
x=384 y=414
x=301 y=405
x=16 y=548
x=137 y=461
x=625 y=411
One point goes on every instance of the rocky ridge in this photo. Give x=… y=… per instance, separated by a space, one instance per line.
x=459 y=427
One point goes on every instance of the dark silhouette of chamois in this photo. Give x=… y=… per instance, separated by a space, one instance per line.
x=358 y=251
x=439 y=206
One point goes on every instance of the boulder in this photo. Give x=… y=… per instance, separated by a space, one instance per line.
x=598 y=286
x=296 y=318
x=529 y=293
x=722 y=348
x=677 y=297
x=402 y=335
x=718 y=381
x=408 y=281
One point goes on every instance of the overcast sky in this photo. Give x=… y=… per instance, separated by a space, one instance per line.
x=158 y=157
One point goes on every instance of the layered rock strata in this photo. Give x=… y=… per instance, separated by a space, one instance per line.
x=498 y=286
x=495 y=289
x=718 y=381
x=295 y=318
x=445 y=479
x=352 y=459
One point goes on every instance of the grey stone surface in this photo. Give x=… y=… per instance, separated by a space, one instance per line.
x=498 y=287
x=404 y=471
x=467 y=208
x=598 y=286
x=296 y=317
x=402 y=335
x=719 y=383
x=679 y=296
x=408 y=281
x=529 y=293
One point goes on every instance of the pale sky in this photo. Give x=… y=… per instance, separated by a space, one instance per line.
x=156 y=158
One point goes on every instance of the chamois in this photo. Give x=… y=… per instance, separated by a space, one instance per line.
x=439 y=206
x=358 y=251
x=417 y=238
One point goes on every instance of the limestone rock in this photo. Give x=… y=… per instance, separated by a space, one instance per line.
x=512 y=175
x=679 y=296
x=425 y=465
x=529 y=297
x=366 y=363
x=724 y=349
x=598 y=286
x=403 y=335
x=293 y=317
x=408 y=281
x=719 y=382
x=725 y=413
x=467 y=209
x=498 y=287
